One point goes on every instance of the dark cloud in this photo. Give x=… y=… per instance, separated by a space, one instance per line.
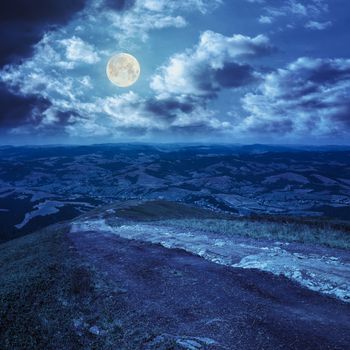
x=308 y=97
x=23 y=22
x=185 y=87
x=234 y=75
x=120 y=5
x=216 y=63
x=201 y=128
x=168 y=108
x=210 y=80
x=39 y=10
x=326 y=72
x=16 y=110
x=274 y=126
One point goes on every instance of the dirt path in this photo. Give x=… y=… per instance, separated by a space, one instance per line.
x=319 y=268
x=189 y=302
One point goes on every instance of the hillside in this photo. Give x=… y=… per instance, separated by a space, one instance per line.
x=118 y=278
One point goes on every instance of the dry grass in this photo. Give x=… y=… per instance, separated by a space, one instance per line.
x=45 y=288
x=288 y=231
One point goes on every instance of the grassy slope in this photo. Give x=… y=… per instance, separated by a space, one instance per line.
x=272 y=228
x=47 y=290
x=160 y=210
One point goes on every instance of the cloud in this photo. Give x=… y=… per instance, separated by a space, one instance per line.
x=66 y=70
x=151 y=15
x=23 y=23
x=185 y=86
x=62 y=87
x=129 y=114
x=307 y=13
x=315 y=25
x=217 y=62
x=23 y=26
x=170 y=5
x=45 y=77
x=182 y=89
x=308 y=97
x=265 y=19
x=79 y=51
x=120 y=5
x=64 y=73
x=18 y=110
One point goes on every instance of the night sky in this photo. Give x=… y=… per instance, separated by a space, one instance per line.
x=238 y=71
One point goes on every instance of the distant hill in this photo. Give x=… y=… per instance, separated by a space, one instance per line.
x=42 y=185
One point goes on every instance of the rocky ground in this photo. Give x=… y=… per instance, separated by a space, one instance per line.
x=318 y=268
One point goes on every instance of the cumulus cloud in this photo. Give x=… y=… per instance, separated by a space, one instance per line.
x=217 y=62
x=130 y=114
x=308 y=97
x=63 y=84
x=183 y=88
x=46 y=75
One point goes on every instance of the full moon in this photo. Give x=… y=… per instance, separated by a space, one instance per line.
x=123 y=70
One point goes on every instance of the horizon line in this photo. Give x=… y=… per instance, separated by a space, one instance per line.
x=173 y=144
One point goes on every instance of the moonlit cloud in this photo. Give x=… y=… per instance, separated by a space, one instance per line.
x=308 y=13
x=308 y=97
x=66 y=67
x=200 y=78
x=151 y=15
x=215 y=63
x=79 y=51
x=170 y=5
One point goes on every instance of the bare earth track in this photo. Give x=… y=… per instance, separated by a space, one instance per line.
x=173 y=292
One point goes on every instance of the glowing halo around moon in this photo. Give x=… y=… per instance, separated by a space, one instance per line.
x=123 y=70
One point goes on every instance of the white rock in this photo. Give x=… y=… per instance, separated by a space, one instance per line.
x=94 y=330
